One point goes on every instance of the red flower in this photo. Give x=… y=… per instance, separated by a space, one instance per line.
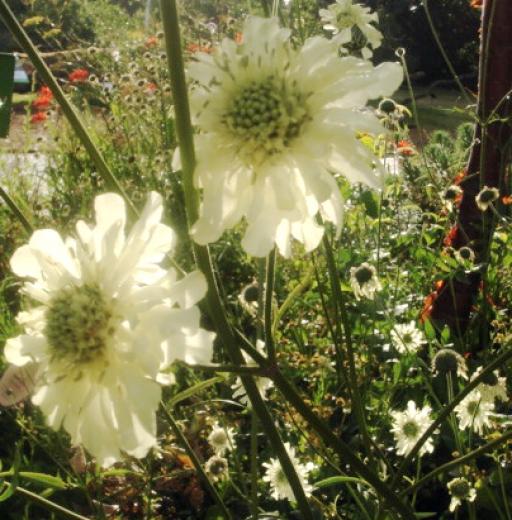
x=405 y=148
x=151 y=87
x=428 y=302
x=194 y=47
x=45 y=91
x=38 y=117
x=78 y=75
x=460 y=177
x=41 y=102
x=152 y=41
x=451 y=237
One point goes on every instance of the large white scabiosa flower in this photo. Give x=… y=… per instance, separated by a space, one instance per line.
x=474 y=412
x=343 y=19
x=108 y=319
x=276 y=477
x=460 y=489
x=222 y=439
x=274 y=124
x=409 y=426
x=492 y=387
x=407 y=338
x=364 y=281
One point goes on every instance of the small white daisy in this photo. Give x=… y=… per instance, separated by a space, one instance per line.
x=107 y=322
x=263 y=384
x=474 y=412
x=345 y=20
x=276 y=477
x=364 y=281
x=460 y=489
x=486 y=196
x=465 y=255
x=275 y=123
x=409 y=426
x=217 y=468
x=451 y=195
x=493 y=386
x=222 y=439
x=407 y=338
x=448 y=361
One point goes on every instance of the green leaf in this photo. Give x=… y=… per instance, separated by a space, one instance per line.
x=43 y=478
x=430 y=332
x=333 y=481
x=193 y=390
x=371 y=203
x=6 y=89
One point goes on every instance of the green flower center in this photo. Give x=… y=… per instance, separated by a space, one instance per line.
x=281 y=476
x=345 y=19
x=218 y=466
x=411 y=429
x=79 y=323
x=407 y=338
x=460 y=488
x=472 y=407
x=363 y=275
x=266 y=117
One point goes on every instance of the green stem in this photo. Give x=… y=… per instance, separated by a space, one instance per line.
x=216 y=309
x=254 y=465
x=235 y=369
x=269 y=296
x=447 y=410
x=49 y=505
x=16 y=211
x=7 y=16
x=459 y=461
x=197 y=463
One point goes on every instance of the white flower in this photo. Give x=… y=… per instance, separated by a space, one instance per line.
x=465 y=255
x=493 y=386
x=460 y=489
x=364 y=281
x=275 y=123
x=109 y=320
x=342 y=17
x=409 y=426
x=407 y=338
x=474 y=412
x=486 y=196
x=263 y=384
x=217 y=468
x=276 y=477
x=222 y=439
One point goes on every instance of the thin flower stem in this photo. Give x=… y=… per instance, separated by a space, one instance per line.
x=235 y=369
x=504 y=496
x=16 y=211
x=354 y=386
x=457 y=462
x=447 y=410
x=269 y=297
x=216 y=309
x=197 y=463
x=7 y=16
x=254 y=465
x=49 y=505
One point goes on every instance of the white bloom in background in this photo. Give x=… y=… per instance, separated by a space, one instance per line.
x=222 y=439
x=407 y=338
x=263 y=384
x=460 y=489
x=274 y=124
x=492 y=387
x=217 y=468
x=474 y=412
x=364 y=281
x=486 y=196
x=343 y=17
x=449 y=361
x=276 y=477
x=465 y=255
x=409 y=426
x=109 y=320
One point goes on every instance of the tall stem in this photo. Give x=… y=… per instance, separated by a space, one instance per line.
x=269 y=297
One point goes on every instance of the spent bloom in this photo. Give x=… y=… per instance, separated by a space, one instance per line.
x=217 y=468
x=460 y=489
x=474 y=412
x=352 y=23
x=222 y=439
x=465 y=255
x=276 y=477
x=409 y=426
x=107 y=321
x=364 y=281
x=492 y=387
x=448 y=361
x=407 y=337
x=486 y=196
x=275 y=123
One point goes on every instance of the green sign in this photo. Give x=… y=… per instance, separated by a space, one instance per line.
x=6 y=87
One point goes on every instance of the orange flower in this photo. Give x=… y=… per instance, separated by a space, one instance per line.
x=38 y=117
x=460 y=177
x=405 y=148
x=151 y=87
x=41 y=102
x=194 y=47
x=78 y=75
x=152 y=41
x=451 y=237
x=477 y=4
x=428 y=302
x=45 y=91
x=507 y=200
x=239 y=38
